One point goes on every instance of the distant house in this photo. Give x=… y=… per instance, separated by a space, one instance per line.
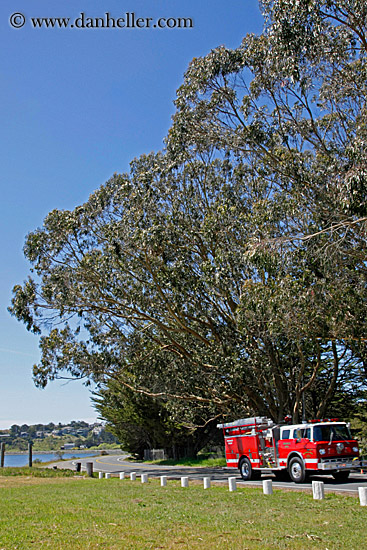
x=83 y=432
x=68 y=430
x=97 y=430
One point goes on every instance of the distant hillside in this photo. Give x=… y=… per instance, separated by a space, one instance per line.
x=55 y=436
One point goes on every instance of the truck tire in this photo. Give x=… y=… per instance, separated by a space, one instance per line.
x=245 y=469
x=296 y=470
x=341 y=476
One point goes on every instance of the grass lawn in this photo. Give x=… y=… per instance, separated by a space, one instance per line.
x=36 y=471
x=73 y=513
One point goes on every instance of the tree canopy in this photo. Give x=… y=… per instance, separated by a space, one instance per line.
x=227 y=274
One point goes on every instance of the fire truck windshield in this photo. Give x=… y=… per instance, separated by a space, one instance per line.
x=335 y=432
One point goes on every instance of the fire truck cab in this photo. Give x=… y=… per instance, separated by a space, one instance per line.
x=256 y=445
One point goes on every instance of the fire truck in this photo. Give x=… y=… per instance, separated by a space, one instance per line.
x=256 y=445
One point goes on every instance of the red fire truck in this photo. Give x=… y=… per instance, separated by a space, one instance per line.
x=256 y=445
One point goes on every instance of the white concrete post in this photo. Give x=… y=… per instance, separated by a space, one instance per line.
x=108 y=476
x=100 y=475
x=267 y=487
x=318 y=490
x=184 y=482
x=132 y=476
x=362 y=491
x=163 y=481
x=144 y=478
x=122 y=475
x=232 y=484
x=206 y=482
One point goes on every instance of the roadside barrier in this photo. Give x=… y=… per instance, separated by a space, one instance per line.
x=318 y=487
x=232 y=484
x=318 y=490
x=207 y=483
x=267 y=487
x=362 y=491
x=184 y=482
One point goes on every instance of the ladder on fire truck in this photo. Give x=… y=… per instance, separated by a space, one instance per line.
x=259 y=422
x=266 y=432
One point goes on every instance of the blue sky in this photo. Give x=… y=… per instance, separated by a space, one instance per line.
x=77 y=105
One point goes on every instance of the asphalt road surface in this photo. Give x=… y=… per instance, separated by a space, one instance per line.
x=115 y=464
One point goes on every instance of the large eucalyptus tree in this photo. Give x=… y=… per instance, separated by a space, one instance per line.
x=226 y=275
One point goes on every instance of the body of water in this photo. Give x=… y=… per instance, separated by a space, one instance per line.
x=22 y=460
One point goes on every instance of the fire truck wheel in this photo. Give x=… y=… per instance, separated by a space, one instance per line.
x=245 y=469
x=341 y=476
x=297 y=470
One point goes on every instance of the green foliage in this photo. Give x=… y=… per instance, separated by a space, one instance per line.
x=195 y=462
x=141 y=422
x=105 y=446
x=19 y=444
x=359 y=425
x=225 y=276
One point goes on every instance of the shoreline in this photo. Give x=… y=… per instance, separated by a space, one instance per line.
x=69 y=451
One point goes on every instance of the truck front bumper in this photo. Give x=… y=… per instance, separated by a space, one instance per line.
x=332 y=464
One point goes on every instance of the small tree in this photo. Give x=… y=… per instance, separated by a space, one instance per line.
x=59 y=453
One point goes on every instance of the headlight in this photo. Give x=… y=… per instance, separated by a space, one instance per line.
x=322 y=451
x=355 y=449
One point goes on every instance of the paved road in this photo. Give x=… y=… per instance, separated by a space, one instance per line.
x=116 y=464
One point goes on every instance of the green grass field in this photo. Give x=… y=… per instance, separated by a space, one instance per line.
x=83 y=513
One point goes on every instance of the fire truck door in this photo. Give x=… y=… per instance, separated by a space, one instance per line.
x=303 y=445
x=302 y=441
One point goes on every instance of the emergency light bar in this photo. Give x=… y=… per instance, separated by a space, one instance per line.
x=315 y=421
